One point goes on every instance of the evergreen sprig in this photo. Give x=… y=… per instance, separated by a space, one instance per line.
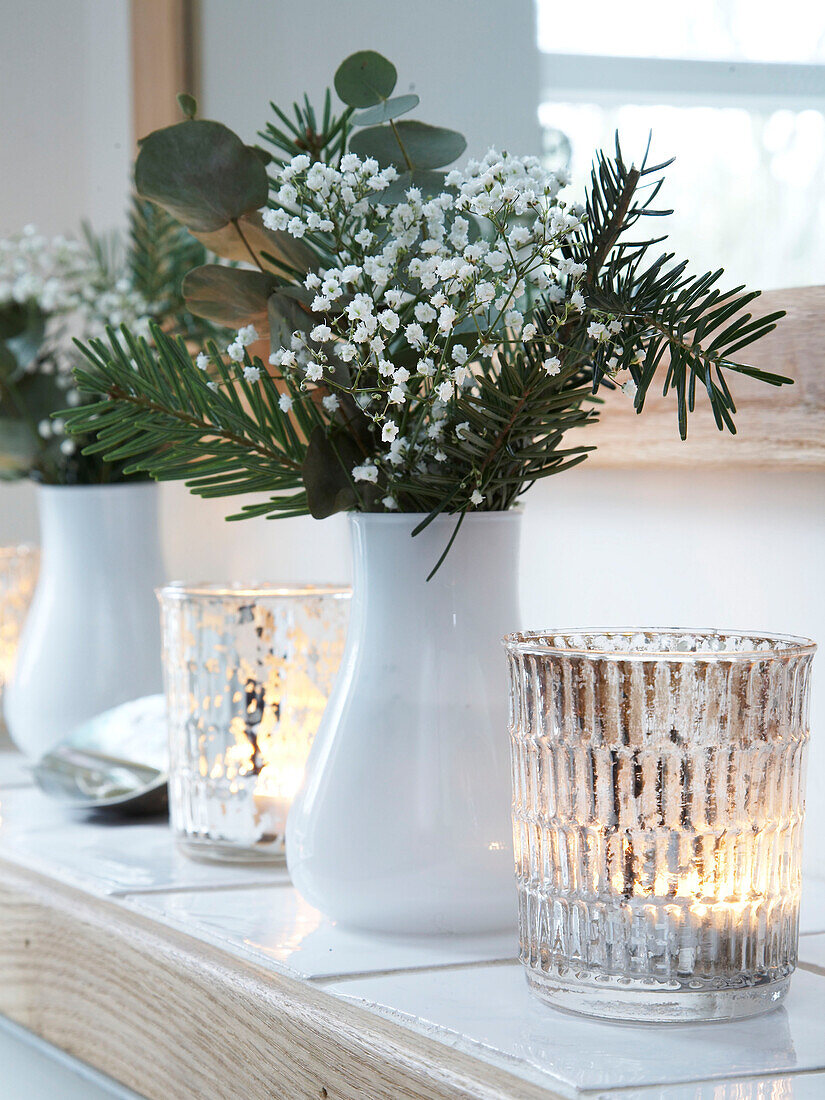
x=158 y=413
x=673 y=322
x=302 y=134
x=226 y=441
x=516 y=423
x=160 y=253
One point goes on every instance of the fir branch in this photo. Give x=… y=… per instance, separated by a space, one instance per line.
x=160 y=254
x=141 y=397
x=672 y=321
x=326 y=143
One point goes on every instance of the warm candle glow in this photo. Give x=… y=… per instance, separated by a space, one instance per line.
x=658 y=806
x=248 y=676
x=18 y=576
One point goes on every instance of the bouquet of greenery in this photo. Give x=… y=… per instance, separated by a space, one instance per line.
x=51 y=290
x=434 y=335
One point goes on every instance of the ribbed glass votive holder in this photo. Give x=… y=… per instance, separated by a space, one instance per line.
x=658 y=800
x=248 y=671
x=19 y=566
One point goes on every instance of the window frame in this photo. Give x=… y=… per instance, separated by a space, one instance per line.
x=608 y=81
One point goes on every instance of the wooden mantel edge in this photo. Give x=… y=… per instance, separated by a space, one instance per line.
x=172 y=1017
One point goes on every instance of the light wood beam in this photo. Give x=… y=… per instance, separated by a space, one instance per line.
x=173 y=1018
x=163 y=61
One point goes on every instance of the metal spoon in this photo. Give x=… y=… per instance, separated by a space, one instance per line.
x=117 y=761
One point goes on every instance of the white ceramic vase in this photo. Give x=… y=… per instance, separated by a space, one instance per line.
x=92 y=636
x=403 y=824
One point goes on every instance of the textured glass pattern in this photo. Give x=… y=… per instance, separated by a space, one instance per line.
x=248 y=672
x=18 y=575
x=658 y=799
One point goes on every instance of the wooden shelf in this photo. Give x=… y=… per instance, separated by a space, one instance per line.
x=173 y=1018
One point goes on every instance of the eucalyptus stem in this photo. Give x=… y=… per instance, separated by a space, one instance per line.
x=247 y=245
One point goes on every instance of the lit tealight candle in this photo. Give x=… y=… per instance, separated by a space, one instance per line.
x=658 y=803
x=248 y=673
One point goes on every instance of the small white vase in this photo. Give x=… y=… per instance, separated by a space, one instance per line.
x=403 y=824
x=92 y=636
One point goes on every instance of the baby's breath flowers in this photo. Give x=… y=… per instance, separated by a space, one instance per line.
x=422 y=289
x=53 y=290
x=37 y=271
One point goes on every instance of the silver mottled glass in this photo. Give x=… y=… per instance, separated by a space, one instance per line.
x=658 y=800
x=248 y=671
x=18 y=576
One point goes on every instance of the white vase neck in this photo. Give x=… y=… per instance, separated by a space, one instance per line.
x=385 y=549
x=101 y=524
x=477 y=581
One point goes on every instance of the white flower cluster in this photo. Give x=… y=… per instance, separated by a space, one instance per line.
x=60 y=279
x=318 y=197
x=36 y=270
x=424 y=290
x=607 y=335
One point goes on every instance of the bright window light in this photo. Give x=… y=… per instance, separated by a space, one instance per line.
x=723 y=30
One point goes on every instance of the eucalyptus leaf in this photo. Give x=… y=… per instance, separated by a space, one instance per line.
x=188 y=104
x=425 y=146
x=470 y=326
x=327 y=481
x=35 y=396
x=429 y=183
x=300 y=294
x=25 y=346
x=229 y=296
x=271 y=248
x=365 y=78
x=8 y=364
x=22 y=329
x=201 y=173
x=14 y=319
x=285 y=316
x=383 y=112
x=263 y=156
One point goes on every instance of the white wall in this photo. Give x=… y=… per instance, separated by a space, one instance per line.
x=735 y=549
x=65 y=138
x=474 y=63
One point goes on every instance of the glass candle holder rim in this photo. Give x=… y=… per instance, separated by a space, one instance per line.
x=20 y=549
x=210 y=590
x=541 y=643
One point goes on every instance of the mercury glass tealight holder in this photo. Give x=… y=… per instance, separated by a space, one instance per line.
x=248 y=671
x=19 y=566
x=658 y=800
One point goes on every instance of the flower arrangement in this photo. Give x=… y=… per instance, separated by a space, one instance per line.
x=55 y=289
x=434 y=335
